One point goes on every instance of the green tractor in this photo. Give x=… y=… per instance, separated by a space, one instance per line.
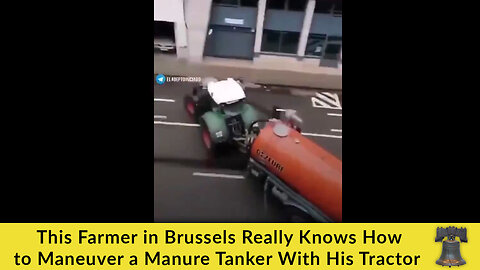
x=220 y=109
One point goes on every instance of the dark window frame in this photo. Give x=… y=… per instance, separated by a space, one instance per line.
x=280 y=43
x=287 y=5
x=249 y=5
x=329 y=55
x=333 y=8
x=327 y=44
x=318 y=37
x=214 y=2
x=239 y=3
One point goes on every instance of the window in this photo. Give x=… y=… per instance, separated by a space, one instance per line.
x=289 y=42
x=248 y=3
x=226 y=2
x=332 y=51
x=337 y=9
x=276 y=4
x=323 y=6
x=237 y=3
x=297 y=5
x=334 y=38
x=271 y=41
x=279 y=41
x=293 y=5
x=315 y=45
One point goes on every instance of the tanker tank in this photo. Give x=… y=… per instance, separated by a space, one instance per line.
x=302 y=165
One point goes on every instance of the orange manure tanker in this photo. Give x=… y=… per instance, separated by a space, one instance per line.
x=308 y=176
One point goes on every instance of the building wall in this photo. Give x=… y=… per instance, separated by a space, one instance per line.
x=168 y=10
x=192 y=20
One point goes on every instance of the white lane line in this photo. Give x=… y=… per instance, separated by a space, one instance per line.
x=218 y=175
x=175 y=124
x=334 y=114
x=335 y=130
x=159 y=117
x=163 y=100
x=321 y=135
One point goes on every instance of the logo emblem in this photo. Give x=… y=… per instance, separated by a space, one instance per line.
x=160 y=79
x=451 y=247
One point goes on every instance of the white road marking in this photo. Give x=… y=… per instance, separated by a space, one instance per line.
x=218 y=175
x=159 y=117
x=163 y=100
x=321 y=135
x=334 y=114
x=326 y=100
x=328 y=94
x=335 y=130
x=175 y=124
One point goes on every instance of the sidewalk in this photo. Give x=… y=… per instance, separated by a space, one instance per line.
x=261 y=73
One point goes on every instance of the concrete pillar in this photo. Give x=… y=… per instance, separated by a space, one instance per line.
x=197 y=17
x=307 y=22
x=181 y=40
x=259 y=30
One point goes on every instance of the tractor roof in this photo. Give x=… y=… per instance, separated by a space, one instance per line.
x=226 y=91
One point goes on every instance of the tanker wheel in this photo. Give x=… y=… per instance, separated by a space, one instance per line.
x=254 y=173
x=209 y=144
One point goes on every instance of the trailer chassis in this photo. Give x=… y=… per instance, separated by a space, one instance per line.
x=283 y=192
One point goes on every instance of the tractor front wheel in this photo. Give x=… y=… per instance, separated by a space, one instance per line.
x=210 y=145
x=190 y=106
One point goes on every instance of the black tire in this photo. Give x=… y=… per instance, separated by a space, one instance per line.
x=203 y=102
x=209 y=144
x=190 y=106
x=258 y=176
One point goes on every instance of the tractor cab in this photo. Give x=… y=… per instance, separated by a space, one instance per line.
x=226 y=92
x=225 y=96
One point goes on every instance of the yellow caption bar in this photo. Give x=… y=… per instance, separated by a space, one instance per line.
x=232 y=246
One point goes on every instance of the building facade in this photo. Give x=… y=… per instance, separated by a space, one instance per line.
x=306 y=33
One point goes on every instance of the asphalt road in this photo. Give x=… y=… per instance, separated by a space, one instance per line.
x=191 y=187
